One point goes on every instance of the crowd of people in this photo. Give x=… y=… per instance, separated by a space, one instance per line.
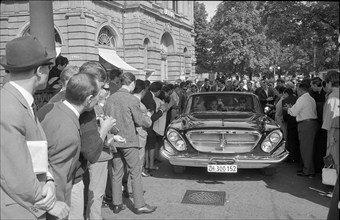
x=103 y=130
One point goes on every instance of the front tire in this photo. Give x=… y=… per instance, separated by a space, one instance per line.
x=178 y=169
x=268 y=171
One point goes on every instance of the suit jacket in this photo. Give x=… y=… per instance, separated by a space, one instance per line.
x=263 y=96
x=20 y=186
x=62 y=130
x=150 y=104
x=125 y=108
x=91 y=142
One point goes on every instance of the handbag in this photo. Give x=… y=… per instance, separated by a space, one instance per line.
x=329 y=174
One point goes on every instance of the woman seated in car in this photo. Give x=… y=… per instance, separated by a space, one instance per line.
x=213 y=104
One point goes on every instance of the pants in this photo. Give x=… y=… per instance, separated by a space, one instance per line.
x=307 y=131
x=129 y=157
x=98 y=177
x=293 y=145
x=320 y=147
x=108 y=189
x=77 y=202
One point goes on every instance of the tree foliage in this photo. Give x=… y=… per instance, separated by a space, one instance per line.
x=202 y=41
x=249 y=37
x=239 y=42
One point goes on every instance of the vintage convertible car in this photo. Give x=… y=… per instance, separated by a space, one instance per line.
x=224 y=132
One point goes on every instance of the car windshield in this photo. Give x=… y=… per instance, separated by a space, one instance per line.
x=223 y=102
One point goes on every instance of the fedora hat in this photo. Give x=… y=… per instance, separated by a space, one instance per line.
x=26 y=53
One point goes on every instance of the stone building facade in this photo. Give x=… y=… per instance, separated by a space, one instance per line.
x=156 y=38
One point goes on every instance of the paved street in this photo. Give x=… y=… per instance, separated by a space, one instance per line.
x=249 y=195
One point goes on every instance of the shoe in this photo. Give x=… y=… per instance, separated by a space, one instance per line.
x=145 y=174
x=146 y=209
x=118 y=208
x=306 y=175
x=154 y=168
x=107 y=199
x=126 y=194
x=299 y=171
x=157 y=161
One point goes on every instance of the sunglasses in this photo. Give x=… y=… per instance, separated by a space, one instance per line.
x=106 y=89
x=324 y=84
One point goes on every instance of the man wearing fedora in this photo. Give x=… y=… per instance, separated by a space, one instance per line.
x=24 y=194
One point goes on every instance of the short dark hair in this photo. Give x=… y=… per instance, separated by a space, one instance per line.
x=156 y=86
x=289 y=91
x=333 y=77
x=304 y=85
x=127 y=78
x=80 y=86
x=280 y=80
x=61 y=60
x=166 y=88
x=114 y=73
x=280 y=89
x=316 y=81
x=147 y=83
x=171 y=86
x=182 y=84
x=94 y=68
x=140 y=86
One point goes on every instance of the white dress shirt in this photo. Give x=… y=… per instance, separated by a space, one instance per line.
x=304 y=108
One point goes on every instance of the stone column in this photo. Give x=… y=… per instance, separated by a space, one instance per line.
x=41 y=22
x=180 y=7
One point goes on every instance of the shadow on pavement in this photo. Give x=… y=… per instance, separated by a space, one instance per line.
x=284 y=180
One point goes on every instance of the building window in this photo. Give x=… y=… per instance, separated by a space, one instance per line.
x=106 y=38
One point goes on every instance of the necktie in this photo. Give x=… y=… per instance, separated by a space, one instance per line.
x=34 y=108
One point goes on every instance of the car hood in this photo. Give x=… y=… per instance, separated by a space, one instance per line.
x=232 y=120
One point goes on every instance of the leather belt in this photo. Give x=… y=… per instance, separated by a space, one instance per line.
x=314 y=119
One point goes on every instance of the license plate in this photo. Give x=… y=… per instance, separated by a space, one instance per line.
x=213 y=168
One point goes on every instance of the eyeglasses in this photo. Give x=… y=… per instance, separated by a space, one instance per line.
x=48 y=65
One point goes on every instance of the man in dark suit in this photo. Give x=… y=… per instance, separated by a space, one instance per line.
x=61 y=124
x=24 y=194
x=125 y=108
x=266 y=95
x=149 y=102
x=292 y=132
x=319 y=95
x=206 y=86
x=92 y=138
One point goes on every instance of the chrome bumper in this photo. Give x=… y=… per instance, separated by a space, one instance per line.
x=242 y=162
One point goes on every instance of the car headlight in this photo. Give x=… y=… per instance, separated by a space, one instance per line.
x=176 y=140
x=173 y=136
x=271 y=141
x=275 y=137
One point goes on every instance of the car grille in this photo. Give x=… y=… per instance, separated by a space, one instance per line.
x=223 y=141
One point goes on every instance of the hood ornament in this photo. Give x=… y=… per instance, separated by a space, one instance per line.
x=223 y=141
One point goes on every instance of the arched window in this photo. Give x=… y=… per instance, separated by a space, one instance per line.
x=106 y=38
